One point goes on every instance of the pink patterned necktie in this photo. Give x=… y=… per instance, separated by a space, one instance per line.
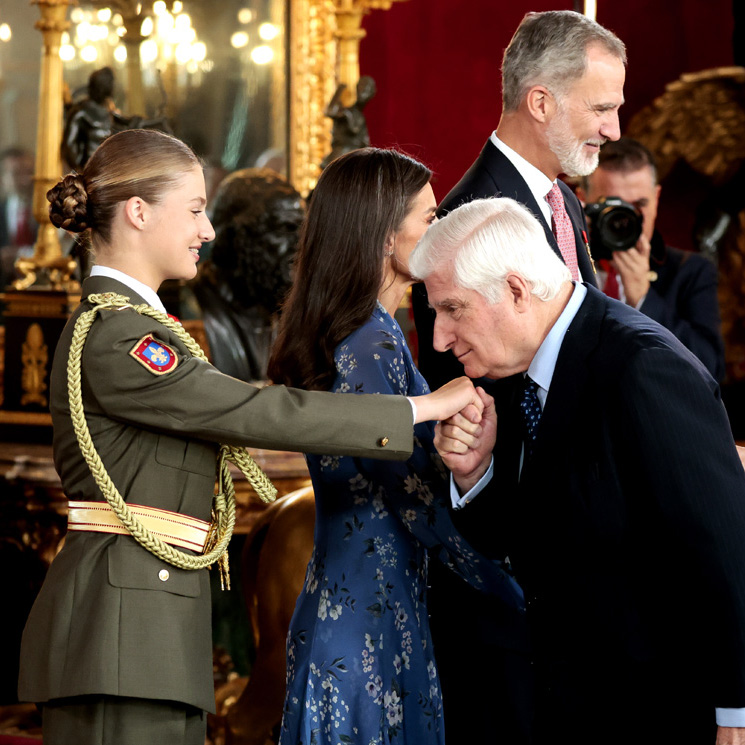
x=563 y=230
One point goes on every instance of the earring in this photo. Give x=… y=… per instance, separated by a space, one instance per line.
x=388 y=253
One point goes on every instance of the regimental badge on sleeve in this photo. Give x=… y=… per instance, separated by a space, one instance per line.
x=156 y=356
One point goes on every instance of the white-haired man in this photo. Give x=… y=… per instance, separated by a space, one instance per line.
x=618 y=491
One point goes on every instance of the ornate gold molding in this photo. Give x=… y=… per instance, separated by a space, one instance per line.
x=324 y=51
x=312 y=82
x=34 y=358
x=26 y=418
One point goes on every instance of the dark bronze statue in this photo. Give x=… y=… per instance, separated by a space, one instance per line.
x=256 y=217
x=349 y=131
x=90 y=120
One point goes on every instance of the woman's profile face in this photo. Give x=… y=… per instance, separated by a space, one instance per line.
x=415 y=224
x=178 y=228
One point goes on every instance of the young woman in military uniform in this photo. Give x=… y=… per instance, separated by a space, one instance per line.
x=117 y=648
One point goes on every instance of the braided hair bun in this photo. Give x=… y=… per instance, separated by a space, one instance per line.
x=68 y=208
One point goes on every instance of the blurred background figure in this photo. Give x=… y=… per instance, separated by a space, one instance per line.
x=90 y=120
x=93 y=116
x=17 y=225
x=256 y=215
x=678 y=289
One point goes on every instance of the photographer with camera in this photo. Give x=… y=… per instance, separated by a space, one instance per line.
x=678 y=289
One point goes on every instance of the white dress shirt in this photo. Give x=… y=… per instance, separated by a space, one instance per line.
x=146 y=293
x=537 y=181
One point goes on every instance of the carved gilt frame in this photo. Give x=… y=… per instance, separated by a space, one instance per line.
x=312 y=70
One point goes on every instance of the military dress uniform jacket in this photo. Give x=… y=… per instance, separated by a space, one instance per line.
x=112 y=618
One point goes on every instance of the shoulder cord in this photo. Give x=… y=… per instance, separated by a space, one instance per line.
x=223 y=506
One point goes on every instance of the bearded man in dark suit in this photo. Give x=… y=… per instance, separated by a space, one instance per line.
x=618 y=492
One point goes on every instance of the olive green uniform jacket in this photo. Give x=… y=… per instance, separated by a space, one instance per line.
x=105 y=621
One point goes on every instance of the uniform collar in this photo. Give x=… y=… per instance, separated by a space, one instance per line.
x=145 y=292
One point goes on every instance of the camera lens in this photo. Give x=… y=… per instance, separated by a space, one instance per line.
x=620 y=228
x=615 y=225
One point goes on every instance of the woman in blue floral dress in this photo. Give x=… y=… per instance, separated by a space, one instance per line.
x=360 y=664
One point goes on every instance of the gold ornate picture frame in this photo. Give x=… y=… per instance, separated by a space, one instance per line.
x=312 y=80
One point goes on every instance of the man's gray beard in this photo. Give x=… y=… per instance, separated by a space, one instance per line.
x=569 y=153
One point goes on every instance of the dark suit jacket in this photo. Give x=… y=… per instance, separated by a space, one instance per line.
x=627 y=533
x=104 y=622
x=684 y=300
x=491 y=175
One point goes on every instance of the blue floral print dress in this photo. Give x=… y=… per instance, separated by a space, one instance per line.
x=360 y=665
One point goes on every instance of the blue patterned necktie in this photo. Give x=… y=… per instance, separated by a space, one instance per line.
x=530 y=408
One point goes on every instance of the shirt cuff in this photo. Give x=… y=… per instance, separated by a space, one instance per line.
x=413 y=407
x=459 y=501
x=731 y=717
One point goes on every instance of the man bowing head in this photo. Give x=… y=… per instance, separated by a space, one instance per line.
x=618 y=493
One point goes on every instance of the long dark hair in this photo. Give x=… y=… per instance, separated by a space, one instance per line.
x=360 y=200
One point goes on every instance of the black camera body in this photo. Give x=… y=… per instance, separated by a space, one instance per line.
x=615 y=225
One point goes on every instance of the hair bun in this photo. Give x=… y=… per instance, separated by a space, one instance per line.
x=68 y=204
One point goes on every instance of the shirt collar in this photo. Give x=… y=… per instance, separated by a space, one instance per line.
x=544 y=363
x=537 y=181
x=145 y=292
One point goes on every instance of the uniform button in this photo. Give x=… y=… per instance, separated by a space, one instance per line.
x=383 y=441
x=163 y=575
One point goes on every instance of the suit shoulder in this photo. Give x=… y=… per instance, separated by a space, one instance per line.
x=627 y=337
x=477 y=183
x=693 y=261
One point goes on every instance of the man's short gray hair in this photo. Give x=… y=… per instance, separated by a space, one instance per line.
x=482 y=242
x=550 y=49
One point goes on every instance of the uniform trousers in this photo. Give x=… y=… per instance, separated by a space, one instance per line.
x=119 y=720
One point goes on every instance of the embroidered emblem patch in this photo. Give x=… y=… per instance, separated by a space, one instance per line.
x=156 y=356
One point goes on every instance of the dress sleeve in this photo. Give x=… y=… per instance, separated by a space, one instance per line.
x=417 y=490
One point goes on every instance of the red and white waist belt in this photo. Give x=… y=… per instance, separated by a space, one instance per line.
x=172 y=527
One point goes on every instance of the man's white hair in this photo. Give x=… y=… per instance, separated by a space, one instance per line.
x=482 y=242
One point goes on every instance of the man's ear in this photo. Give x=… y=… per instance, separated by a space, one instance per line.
x=136 y=212
x=519 y=292
x=540 y=103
